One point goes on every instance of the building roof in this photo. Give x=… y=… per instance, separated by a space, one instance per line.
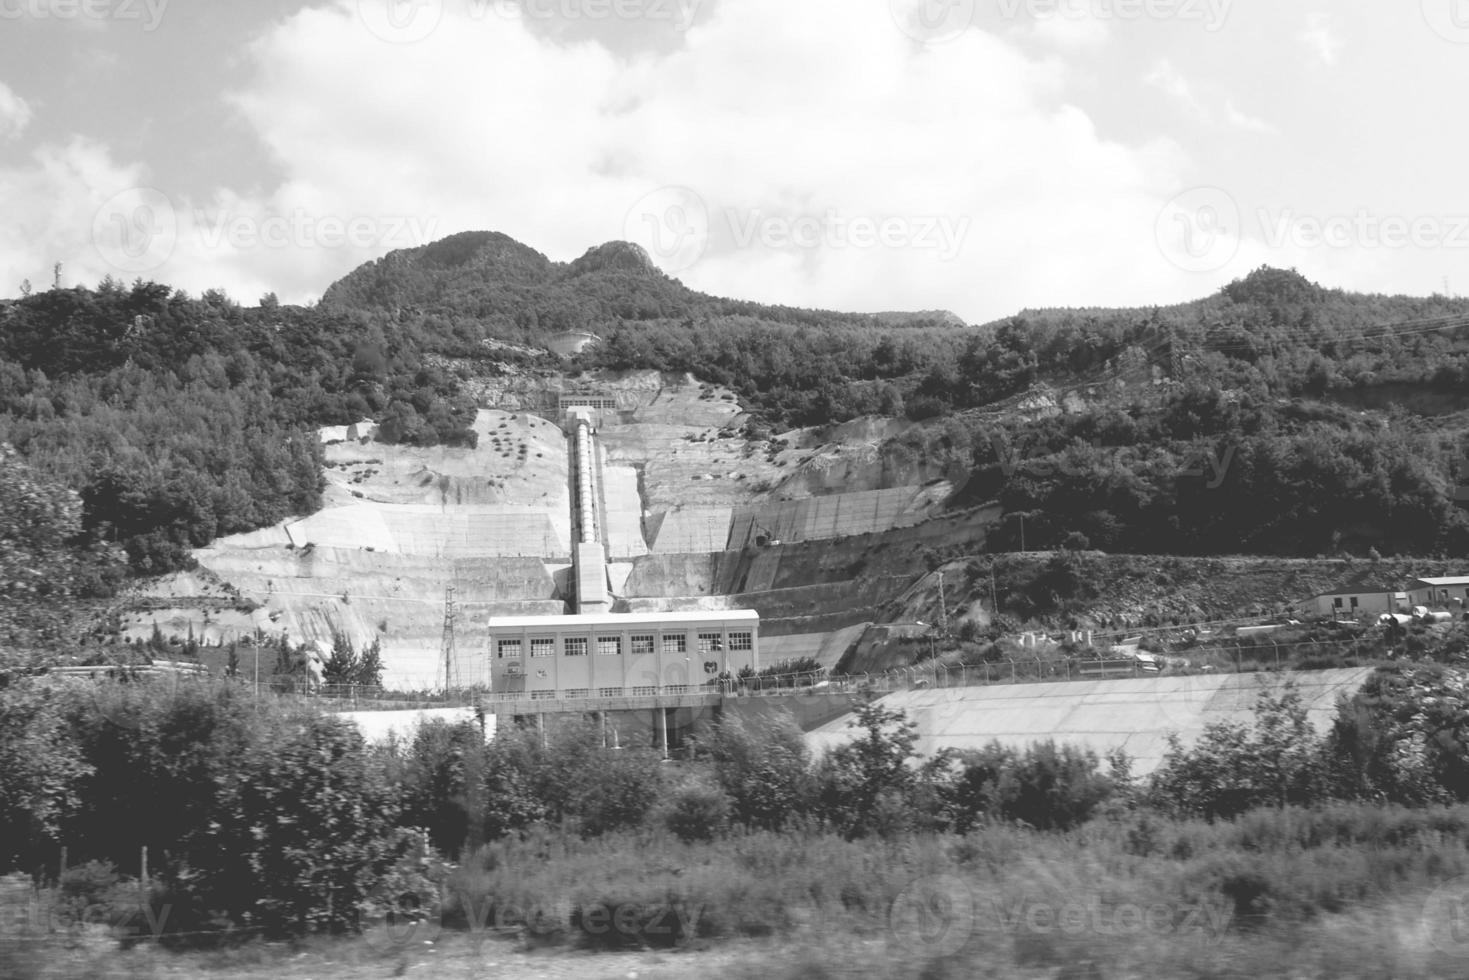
x=1362 y=588
x=594 y=620
x=1460 y=580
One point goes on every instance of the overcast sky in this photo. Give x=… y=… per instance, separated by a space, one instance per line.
x=976 y=155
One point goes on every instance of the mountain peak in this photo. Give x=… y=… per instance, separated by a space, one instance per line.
x=617 y=256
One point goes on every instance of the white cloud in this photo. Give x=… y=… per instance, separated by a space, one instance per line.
x=1241 y=120
x=835 y=121
x=15 y=113
x=50 y=202
x=1071 y=26
x=836 y=125
x=1170 y=81
x=1321 y=38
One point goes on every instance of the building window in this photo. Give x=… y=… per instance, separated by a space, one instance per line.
x=710 y=643
x=609 y=692
x=576 y=693
x=675 y=643
x=641 y=644
x=1354 y=602
x=543 y=646
x=1336 y=602
x=742 y=641
x=508 y=648
x=576 y=646
x=543 y=695
x=609 y=646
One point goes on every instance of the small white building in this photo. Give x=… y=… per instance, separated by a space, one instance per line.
x=1361 y=599
x=1441 y=594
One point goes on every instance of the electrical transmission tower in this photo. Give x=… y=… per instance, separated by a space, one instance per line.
x=446 y=676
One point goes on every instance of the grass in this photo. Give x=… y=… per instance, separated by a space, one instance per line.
x=1343 y=891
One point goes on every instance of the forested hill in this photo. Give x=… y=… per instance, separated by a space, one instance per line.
x=145 y=421
x=520 y=295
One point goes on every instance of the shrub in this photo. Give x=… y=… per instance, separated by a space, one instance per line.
x=1278 y=760
x=695 y=810
x=762 y=768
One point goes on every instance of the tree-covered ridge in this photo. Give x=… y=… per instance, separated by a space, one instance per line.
x=522 y=296
x=177 y=420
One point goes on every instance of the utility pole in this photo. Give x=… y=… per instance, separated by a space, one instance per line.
x=446 y=646
x=943 y=606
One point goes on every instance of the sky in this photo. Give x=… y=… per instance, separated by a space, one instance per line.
x=979 y=156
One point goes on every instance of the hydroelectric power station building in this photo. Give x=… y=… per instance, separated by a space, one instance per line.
x=658 y=669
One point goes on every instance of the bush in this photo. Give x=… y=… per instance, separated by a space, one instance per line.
x=763 y=769
x=694 y=811
x=1044 y=786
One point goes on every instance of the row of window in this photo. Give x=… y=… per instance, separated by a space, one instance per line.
x=611 y=646
x=582 y=693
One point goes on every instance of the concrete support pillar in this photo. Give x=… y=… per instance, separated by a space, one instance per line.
x=663 y=730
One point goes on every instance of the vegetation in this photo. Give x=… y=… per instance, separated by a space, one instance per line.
x=263 y=820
